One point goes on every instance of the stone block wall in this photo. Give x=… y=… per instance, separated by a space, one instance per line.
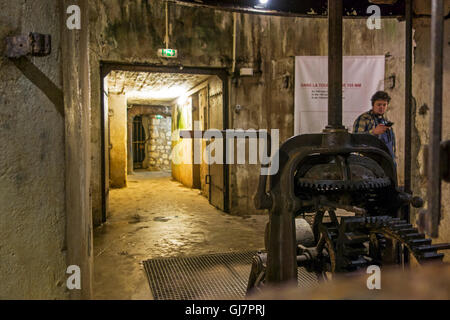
x=159 y=145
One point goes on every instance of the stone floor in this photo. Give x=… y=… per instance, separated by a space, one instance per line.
x=156 y=216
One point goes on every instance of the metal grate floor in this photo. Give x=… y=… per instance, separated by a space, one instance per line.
x=208 y=277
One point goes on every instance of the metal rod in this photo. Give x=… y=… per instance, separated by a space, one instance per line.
x=434 y=179
x=408 y=99
x=233 y=68
x=103 y=142
x=166 y=38
x=335 y=9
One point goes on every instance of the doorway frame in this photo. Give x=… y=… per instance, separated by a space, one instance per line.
x=106 y=67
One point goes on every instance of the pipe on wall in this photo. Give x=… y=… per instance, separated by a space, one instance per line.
x=434 y=174
x=335 y=9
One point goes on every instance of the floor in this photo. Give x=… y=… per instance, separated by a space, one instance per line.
x=156 y=216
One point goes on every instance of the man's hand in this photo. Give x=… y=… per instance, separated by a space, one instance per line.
x=380 y=129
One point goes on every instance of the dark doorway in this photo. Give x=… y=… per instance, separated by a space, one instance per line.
x=139 y=140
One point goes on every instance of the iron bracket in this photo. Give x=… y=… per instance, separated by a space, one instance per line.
x=34 y=44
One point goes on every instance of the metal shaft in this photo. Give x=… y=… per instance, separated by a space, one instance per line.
x=408 y=96
x=434 y=180
x=335 y=9
x=408 y=101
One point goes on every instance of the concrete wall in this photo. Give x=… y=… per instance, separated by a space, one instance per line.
x=269 y=45
x=117 y=104
x=182 y=156
x=44 y=177
x=132 y=31
x=32 y=227
x=75 y=53
x=421 y=115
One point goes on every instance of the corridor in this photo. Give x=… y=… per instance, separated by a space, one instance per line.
x=156 y=216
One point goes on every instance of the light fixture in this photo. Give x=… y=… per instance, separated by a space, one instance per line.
x=261 y=4
x=182 y=99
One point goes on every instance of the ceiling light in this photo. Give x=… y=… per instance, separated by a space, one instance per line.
x=261 y=4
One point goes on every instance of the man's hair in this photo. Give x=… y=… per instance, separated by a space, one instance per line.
x=380 y=95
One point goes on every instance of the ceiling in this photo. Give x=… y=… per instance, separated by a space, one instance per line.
x=309 y=8
x=152 y=85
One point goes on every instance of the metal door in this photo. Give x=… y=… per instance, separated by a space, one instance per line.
x=139 y=140
x=217 y=188
x=105 y=153
x=204 y=168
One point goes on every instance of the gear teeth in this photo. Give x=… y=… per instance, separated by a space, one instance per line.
x=396 y=222
x=431 y=256
x=336 y=185
x=408 y=230
x=413 y=236
x=356 y=228
x=361 y=262
x=420 y=241
x=402 y=226
x=428 y=248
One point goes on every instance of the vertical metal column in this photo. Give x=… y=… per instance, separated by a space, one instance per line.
x=335 y=10
x=408 y=101
x=434 y=165
x=408 y=97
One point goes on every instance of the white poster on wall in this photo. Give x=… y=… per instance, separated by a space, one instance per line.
x=362 y=77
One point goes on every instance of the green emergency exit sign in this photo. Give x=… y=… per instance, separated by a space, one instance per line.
x=168 y=53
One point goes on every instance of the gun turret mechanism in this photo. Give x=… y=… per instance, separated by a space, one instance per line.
x=320 y=174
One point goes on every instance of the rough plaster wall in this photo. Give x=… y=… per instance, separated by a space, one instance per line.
x=132 y=31
x=75 y=49
x=33 y=218
x=269 y=45
x=422 y=95
x=182 y=168
x=118 y=139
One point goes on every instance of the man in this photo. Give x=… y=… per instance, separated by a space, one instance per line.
x=375 y=122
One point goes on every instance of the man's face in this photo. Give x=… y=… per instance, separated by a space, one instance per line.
x=379 y=107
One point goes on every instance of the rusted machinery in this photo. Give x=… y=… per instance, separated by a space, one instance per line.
x=320 y=173
x=329 y=171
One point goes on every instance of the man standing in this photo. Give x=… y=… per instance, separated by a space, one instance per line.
x=375 y=122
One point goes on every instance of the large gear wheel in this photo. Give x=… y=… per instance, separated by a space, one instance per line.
x=331 y=185
x=341 y=173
